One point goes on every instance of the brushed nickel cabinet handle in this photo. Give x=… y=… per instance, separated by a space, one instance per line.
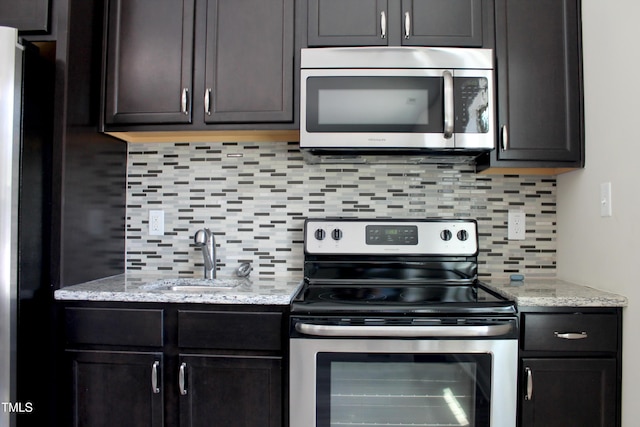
x=154 y=377
x=571 y=335
x=407 y=25
x=181 y=379
x=505 y=138
x=207 y=101
x=529 y=374
x=184 y=101
x=383 y=25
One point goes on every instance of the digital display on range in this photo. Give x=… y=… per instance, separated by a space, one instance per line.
x=391 y=235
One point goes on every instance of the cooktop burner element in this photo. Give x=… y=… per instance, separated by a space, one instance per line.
x=350 y=294
x=394 y=267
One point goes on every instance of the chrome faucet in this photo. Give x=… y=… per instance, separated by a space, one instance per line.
x=204 y=239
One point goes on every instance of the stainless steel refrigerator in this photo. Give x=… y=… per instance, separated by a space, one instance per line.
x=25 y=176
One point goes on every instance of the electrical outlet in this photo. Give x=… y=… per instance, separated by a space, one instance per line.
x=516 y=225
x=156 y=223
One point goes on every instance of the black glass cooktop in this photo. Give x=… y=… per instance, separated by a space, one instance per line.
x=428 y=298
x=417 y=272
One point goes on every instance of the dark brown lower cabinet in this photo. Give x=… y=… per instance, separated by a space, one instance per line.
x=571 y=367
x=169 y=365
x=115 y=389
x=569 y=392
x=230 y=391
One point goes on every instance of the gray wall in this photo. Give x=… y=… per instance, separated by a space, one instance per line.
x=592 y=250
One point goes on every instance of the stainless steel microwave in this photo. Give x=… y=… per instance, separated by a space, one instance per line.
x=410 y=104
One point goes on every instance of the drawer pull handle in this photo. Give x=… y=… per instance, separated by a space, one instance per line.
x=571 y=335
x=529 y=375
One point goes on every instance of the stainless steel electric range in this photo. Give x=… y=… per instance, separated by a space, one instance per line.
x=392 y=327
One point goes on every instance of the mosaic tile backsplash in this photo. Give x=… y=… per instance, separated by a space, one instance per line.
x=255 y=197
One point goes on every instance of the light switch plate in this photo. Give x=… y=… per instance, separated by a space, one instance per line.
x=516 y=225
x=605 y=199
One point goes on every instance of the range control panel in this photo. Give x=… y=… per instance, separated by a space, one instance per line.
x=393 y=237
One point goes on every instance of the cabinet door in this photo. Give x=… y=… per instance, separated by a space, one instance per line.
x=249 y=61
x=30 y=16
x=539 y=82
x=115 y=389
x=149 y=62
x=348 y=23
x=230 y=391
x=442 y=23
x=569 y=392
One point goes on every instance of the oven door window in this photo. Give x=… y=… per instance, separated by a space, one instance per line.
x=403 y=389
x=375 y=104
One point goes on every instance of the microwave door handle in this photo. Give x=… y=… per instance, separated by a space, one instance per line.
x=448 y=104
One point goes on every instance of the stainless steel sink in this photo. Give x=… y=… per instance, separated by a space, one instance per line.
x=194 y=285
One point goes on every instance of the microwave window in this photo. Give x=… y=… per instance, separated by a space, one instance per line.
x=375 y=104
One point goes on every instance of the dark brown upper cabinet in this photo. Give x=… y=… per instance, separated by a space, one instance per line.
x=28 y=16
x=249 y=61
x=150 y=56
x=539 y=85
x=190 y=65
x=395 y=22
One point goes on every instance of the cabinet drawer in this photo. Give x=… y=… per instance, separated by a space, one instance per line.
x=230 y=330
x=570 y=332
x=111 y=326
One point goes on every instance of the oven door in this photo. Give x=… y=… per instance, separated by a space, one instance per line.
x=402 y=382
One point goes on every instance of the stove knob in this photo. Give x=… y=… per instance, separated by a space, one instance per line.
x=446 y=235
x=463 y=235
x=336 y=234
x=320 y=234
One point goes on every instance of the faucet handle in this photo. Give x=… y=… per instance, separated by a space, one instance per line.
x=244 y=269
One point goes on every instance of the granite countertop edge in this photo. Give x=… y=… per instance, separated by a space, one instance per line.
x=119 y=288
x=280 y=291
x=556 y=293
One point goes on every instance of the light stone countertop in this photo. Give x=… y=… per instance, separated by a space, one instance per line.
x=556 y=293
x=279 y=291
x=148 y=288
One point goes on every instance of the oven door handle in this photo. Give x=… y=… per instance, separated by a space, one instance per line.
x=404 y=331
